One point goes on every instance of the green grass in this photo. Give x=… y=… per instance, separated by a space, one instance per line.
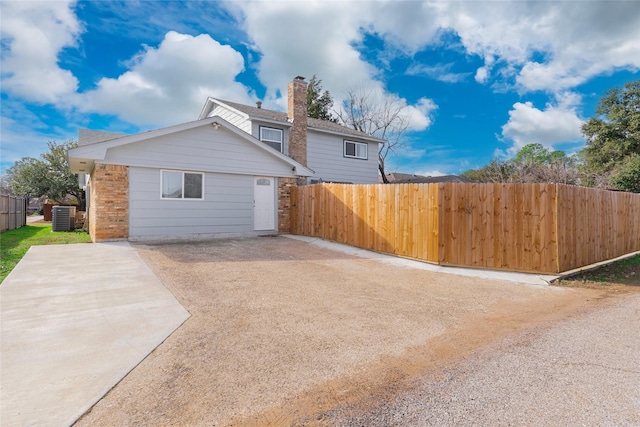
x=15 y=243
x=623 y=272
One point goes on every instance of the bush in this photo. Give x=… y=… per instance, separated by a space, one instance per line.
x=627 y=175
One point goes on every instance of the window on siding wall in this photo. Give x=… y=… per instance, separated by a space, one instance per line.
x=182 y=185
x=271 y=137
x=356 y=150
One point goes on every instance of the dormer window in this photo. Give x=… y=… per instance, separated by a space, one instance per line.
x=272 y=137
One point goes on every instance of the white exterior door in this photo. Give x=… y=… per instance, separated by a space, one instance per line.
x=264 y=203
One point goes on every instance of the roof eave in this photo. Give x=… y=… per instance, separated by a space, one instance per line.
x=365 y=137
x=252 y=117
x=235 y=110
x=98 y=150
x=270 y=121
x=80 y=166
x=205 y=109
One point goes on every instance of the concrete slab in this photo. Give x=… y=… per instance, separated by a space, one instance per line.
x=531 y=279
x=75 y=320
x=35 y=218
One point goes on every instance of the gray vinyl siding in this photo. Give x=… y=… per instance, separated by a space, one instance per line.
x=232 y=117
x=227 y=206
x=203 y=149
x=325 y=157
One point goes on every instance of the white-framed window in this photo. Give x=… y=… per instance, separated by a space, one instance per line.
x=272 y=137
x=181 y=185
x=356 y=150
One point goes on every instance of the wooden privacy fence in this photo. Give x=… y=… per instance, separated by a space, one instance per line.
x=12 y=212
x=545 y=228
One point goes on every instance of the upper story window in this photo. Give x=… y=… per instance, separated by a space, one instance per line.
x=271 y=137
x=182 y=185
x=356 y=150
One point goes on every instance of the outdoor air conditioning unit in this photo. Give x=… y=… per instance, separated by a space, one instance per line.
x=64 y=218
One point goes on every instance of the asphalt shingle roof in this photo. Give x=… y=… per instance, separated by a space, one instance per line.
x=279 y=116
x=89 y=136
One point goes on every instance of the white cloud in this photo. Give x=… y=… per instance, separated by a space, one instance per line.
x=530 y=46
x=420 y=114
x=482 y=74
x=440 y=72
x=586 y=40
x=33 y=34
x=500 y=154
x=406 y=25
x=294 y=38
x=307 y=38
x=405 y=151
x=168 y=84
x=557 y=123
x=548 y=46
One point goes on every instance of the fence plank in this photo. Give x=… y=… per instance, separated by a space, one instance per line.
x=496 y=225
x=550 y=239
x=525 y=227
x=448 y=225
x=432 y=232
x=595 y=225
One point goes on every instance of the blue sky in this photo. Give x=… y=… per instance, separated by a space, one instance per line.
x=479 y=79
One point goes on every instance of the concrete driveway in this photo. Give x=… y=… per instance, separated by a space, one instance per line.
x=75 y=320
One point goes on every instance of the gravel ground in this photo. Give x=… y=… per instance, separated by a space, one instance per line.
x=580 y=372
x=286 y=333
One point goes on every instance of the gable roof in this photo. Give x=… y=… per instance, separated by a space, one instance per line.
x=82 y=158
x=253 y=113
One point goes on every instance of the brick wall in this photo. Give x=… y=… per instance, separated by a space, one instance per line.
x=109 y=203
x=284 y=204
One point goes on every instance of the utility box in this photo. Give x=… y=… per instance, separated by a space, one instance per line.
x=64 y=218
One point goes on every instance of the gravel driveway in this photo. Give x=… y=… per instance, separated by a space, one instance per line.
x=583 y=371
x=285 y=333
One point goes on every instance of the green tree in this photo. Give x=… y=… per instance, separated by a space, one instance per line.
x=532 y=163
x=496 y=171
x=319 y=103
x=25 y=177
x=537 y=154
x=48 y=176
x=627 y=175
x=613 y=136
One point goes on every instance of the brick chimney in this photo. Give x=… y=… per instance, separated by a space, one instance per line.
x=297 y=114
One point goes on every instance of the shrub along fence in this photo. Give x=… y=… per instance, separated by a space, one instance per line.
x=545 y=228
x=12 y=212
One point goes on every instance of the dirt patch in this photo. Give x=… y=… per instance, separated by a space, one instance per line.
x=283 y=331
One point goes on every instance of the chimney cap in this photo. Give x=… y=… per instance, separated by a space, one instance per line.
x=259 y=104
x=298 y=79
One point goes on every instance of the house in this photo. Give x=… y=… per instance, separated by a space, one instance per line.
x=225 y=174
x=407 y=178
